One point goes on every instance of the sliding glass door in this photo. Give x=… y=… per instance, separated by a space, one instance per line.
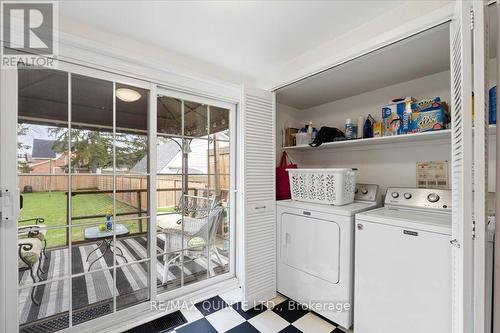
x=194 y=201
x=83 y=171
x=126 y=195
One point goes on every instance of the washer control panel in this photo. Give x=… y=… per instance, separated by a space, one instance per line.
x=366 y=192
x=418 y=198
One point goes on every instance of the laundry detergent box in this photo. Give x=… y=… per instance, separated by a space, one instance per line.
x=431 y=115
x=430 y=120
x=429 y=104
x=396 y=117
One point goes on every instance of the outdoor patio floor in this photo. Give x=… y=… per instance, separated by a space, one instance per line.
x=94 y=289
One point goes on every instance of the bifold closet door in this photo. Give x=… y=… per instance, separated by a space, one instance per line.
x=462 y=158
x=496 y=273
x=258 y=189
x=481 y=122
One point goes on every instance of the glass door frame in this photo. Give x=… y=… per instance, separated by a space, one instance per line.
x=173 y=294
x=74 y=69
x=10 y=214
x=9 y=181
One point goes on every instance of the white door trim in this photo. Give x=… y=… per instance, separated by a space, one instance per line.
x=496 y=265
x=462 y=158
x=481 y=60
x=8 y=184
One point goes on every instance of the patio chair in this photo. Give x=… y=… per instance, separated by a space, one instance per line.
x=193 y=233
x=32 y=244
x=39 y=226
x=189 y=206
x=30 y=254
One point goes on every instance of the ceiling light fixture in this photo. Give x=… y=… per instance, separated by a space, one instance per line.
x=127 y=95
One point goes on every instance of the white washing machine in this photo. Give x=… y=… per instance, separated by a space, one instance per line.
x=403 y=264
x=315 y=253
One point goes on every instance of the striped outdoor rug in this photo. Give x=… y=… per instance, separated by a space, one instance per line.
x=131 y=281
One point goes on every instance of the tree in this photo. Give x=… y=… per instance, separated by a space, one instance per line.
x=22 y=130
x=93 y=150
x=130 y=149
x=22 y=166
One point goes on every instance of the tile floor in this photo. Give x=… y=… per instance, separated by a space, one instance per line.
x=223 y=313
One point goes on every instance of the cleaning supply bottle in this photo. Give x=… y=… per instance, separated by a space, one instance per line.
x=368 y=127
x=350 y=129
x=109 y=219
x=310 y=131
x=314 y=133
x=361 y=122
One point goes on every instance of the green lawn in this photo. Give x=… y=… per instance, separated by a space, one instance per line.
x=170 y=209
x=52 y=207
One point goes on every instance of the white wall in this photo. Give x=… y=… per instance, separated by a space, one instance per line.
x=390 y=165
x=394 y=165
x=335 y=113
x=286 y=116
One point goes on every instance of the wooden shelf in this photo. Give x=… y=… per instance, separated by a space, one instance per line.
x=442 y=136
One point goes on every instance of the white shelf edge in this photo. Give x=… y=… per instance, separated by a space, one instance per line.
x=385 y=140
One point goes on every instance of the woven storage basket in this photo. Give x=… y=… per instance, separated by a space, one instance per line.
x=326 y=186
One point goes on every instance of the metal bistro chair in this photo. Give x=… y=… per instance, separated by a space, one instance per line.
x=192 y=231
x=32 y=244
x=39 y=227
x=30 y=253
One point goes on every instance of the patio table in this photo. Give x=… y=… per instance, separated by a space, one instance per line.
x=106 y=241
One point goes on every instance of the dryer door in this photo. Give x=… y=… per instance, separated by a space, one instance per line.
x=311 y=245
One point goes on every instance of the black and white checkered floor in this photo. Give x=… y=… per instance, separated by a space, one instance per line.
x=223 y=313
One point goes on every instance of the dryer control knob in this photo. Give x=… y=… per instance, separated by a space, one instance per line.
x=408 y=195
x=364 y=191
x=433 y=197
x=395 y=195
x=356 y=190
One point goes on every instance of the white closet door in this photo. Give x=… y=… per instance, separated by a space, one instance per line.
x=462 y=157
x=496 y=256
x=481 y=58
x=259 y=231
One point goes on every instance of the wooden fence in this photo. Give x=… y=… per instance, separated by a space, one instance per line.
x=218 y=163
x=197 y=184
x=59 y=182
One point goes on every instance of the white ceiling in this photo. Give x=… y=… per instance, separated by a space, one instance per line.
x=412 y=58
x=248 y=38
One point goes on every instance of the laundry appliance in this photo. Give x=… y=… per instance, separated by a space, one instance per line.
x=316 y=253
x=403 y=264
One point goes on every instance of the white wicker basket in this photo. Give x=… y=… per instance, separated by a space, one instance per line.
x=328 y=186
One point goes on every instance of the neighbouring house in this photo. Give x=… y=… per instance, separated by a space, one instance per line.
x=169 y=156
x=165 y=154
x=45 y=160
